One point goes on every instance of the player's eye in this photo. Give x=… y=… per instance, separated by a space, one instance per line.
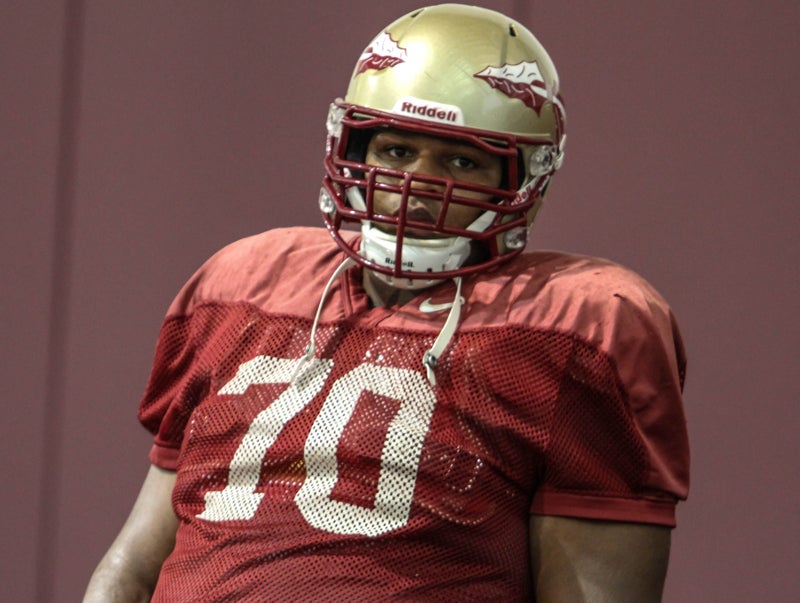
x=464 y=163
x=397 y=151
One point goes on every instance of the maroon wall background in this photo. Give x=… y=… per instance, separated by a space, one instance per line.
x=138 y=137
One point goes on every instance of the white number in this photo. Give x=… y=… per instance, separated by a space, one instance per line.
x=239 y=499
x=399 y=458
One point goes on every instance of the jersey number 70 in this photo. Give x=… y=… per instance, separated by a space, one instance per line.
x=400 y=455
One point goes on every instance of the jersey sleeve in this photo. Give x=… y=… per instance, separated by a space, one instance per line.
x=175 y=384
x=179 y=377
x=194 y=349
x=617 y=447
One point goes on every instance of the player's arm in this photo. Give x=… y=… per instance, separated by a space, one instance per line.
x=129 y=570
x=576 y=560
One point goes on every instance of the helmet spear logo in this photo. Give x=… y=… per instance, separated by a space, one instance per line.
x=382 y=53
x=523 y=81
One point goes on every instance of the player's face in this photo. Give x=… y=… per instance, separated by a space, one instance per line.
x=431 y=156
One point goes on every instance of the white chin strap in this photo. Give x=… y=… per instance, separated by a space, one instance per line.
x=430 y=359
x=418 y=255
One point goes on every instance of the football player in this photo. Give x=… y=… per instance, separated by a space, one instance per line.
x=407 y=405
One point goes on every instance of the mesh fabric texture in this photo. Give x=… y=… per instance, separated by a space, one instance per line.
x=350 y=478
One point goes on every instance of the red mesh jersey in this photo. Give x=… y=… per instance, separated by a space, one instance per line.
x=350 y=478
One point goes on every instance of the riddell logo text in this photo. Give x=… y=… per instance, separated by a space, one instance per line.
x=391 y=262
x=428 y=111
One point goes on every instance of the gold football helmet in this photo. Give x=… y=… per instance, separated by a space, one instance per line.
x=456 y=72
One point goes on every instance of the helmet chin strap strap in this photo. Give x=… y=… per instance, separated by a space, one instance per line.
x=311 y=347
x=429 y=360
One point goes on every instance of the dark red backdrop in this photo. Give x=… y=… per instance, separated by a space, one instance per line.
x=138 y=137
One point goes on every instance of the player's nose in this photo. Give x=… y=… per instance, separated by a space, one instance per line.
x=427 y=164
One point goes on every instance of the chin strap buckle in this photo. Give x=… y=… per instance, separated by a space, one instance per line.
x=430 y=359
